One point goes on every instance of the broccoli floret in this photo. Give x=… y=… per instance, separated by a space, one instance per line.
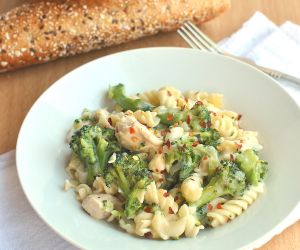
x=254 y=168
x=132 y=176
x=213 y=159
x=181 y=165
x=202 y=214
x=209 y=137
x=172 y=157
x=187 y=165
x=133 y=203
x=200 y=119
x=171 y=116
x=88 y=143
x=201 y=111
x=227 y=181
x=117 y=93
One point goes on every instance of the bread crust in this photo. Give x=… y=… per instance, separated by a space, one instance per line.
x=44 y=31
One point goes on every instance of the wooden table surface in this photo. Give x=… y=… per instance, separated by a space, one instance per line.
x=19 y=90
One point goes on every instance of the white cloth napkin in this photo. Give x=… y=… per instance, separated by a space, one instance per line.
x=258 y=39
x=268 y=45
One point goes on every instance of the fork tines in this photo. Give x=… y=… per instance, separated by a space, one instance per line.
x=197 y=39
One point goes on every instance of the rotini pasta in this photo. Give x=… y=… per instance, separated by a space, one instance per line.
x=101 y=187
x=151 y=97
x=234 y=207
x=102 y=118
x=143 y=223
x=82 y=191
x=147 y=118
x=226 y=126
x=191 y=188
x=185 y=222
x=161 y=162
x=75 y=169
x=213 y=98
x=168 y=97
x=162 y=198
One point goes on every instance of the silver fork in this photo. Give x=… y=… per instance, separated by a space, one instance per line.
x=198 y=40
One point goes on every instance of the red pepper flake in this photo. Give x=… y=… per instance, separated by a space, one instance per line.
x=208 y=124
x=148 y=235
x=171 y=210
x=160 y=150
x=166 y=194
x=205 y=158
x=109 y=121
x=188 y=119
x=219 y=206
x=163 y=132
x=131 y=130
x=184 y=146
x=209 y=207
x=195 y=143
x=170 y=117
x=199 y=103
x=148 y=209
x=239 y=146
x=169 y=93
x=202 y=124
x=186 y=100
x=176 y=198
x=239 y=117
x=168 y=144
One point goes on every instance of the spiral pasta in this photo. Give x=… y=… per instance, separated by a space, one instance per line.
x=213 y=98
x=168 y=97
x=82 y=191
x=101 y=187
x=150 y=96
x=75 y=169
x=102 y=118
x=162 y=198
x=226 y=126
x=143 y=223
x=234 y=207
x=184 y=222
x=129 y=227
x=191 y=188
x=147 y=118
x=185 y=103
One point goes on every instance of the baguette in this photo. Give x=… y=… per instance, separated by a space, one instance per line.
x=43 y=31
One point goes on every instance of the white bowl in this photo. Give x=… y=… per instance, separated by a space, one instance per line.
x=266 y=107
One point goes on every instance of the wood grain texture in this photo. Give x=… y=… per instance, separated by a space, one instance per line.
x=19 y=90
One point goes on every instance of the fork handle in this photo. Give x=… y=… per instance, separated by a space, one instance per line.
x=271 y=72
x=278 y=74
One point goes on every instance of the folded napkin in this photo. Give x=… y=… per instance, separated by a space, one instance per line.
x=268 y=45
x=258 y=39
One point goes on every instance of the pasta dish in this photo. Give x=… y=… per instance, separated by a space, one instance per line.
x=163 y=164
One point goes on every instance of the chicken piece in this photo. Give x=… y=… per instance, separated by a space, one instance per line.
x=99 y=206
x=135 y=136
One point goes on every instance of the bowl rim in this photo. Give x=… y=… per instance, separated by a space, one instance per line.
x=277 y=229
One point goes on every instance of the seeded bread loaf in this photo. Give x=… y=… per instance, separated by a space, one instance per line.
x=44 y=31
